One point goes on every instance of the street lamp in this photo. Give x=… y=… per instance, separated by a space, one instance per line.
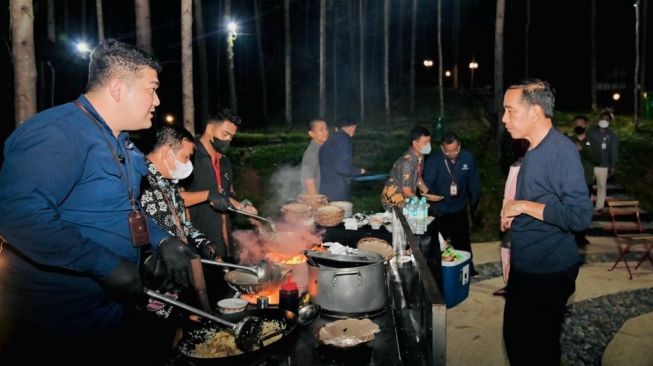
x=428 y=63
x=82 y=47
x=472 y=67
x=447 y=73
x=616 y=96
x=169 y=118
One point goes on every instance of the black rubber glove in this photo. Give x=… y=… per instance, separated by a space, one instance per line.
x=124 y=282
x=208 y=250
x=176 y=256
x=218 y=201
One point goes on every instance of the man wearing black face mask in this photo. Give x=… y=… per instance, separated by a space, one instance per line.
x=590 y=156
x=210 y=189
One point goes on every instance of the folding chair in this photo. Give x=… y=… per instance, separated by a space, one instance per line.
x=623 y=232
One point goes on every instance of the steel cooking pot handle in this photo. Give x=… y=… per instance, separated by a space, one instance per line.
x=334 y=282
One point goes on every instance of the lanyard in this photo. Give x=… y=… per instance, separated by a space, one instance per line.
x=453 y=180
x=215 y=164
x=124 y=173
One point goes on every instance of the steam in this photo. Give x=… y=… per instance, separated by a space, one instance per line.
x=283 y=187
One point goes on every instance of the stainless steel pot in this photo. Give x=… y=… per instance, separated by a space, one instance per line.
x=355 y=291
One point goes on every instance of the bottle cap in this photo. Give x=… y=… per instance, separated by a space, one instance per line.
x=290 y=285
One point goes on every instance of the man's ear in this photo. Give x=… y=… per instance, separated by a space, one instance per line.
x=535 y=112
x=311 y=134
x=116 y=87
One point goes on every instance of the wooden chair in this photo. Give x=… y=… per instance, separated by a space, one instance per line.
x=628 y=232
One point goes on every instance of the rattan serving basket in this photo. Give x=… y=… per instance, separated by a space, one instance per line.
x=296 y=212
x=329 y=215
x=313 y=200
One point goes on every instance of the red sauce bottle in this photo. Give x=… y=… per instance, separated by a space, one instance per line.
x=289 y=296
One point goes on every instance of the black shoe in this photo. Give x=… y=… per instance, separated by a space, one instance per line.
x=473 y=272
x=501 y=292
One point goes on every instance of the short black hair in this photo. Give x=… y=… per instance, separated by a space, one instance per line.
x=112 y=57
x=313 y=122
x=449 y=138
x=580 y=116
x=221 y=114
x=607 y=114
x=346 y=122
x=172 y=135
x=537 y=92
x=416 y=133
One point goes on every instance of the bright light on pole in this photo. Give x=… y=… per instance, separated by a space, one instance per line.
x=232 y=27
x=472 y=67
x=447 y=73
x=169 y=118
x=428 y=63
x=616 y=96
x=82 y=47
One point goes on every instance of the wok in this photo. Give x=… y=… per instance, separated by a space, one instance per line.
x=247 y=283
x=196 y=334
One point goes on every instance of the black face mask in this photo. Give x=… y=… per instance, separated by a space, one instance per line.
x=579 y=130
x=220 y=145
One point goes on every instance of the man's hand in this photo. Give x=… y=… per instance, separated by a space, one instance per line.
x=218 y=201
x=124 y=282
x=249 y=208
x=175 y=256
x=363 y=171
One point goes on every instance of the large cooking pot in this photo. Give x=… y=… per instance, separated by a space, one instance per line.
x=196 y=334
x=352 y=291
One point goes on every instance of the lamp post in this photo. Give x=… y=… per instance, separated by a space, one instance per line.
x=472 y=67
x=232 y=33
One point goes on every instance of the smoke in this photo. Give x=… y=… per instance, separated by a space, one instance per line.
x=283 y=187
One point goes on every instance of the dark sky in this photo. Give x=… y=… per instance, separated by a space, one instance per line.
x=559 y=44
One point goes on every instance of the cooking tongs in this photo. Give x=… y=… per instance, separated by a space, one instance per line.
x=261 y=218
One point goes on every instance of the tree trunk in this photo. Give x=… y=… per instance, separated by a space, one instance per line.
x=52 y=33
x=231 y=75
x=334 y=64
x=526 y=35
x=261 y=57
x=386 y=60
x=400 y=46
x=440 y=63
x=143 y=30
x=22 y=50
x=218 y=52
x=498 y=70
x=100 y=21
x=636 y=73
x=455 y=41
x=413 y=39
x=352 y=40
x=322 y=100
x=593 y=81
x=361 y=59
x=288 y=63
x=187 y=64
x=200 y=34
x=66 y=18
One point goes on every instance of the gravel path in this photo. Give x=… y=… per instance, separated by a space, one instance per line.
x=591 y=324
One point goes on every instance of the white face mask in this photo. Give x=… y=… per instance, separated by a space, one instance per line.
x=426 y=149
x=181 y=170
x=604 y=124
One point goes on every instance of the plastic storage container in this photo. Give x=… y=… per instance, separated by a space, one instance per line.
x=455 y=279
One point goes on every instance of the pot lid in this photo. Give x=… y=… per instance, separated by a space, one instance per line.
x=357 y=256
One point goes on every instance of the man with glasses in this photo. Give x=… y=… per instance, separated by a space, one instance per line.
x=452 y=173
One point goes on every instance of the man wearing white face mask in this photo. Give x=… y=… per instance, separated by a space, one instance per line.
x=608 y=141
x=406 y=174
x=168 y=163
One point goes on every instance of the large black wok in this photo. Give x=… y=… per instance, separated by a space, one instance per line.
x=195 y=334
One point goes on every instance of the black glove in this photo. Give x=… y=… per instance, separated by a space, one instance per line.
x=124 y=282
x=176 y=256
x=218 y=201
x=208 y=250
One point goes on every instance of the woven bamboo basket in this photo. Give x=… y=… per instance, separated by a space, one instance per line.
x=329 y=215
x=313 y=200
x=296 y=212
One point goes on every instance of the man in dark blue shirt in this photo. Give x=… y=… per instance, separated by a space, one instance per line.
x=452 y=173
x=335 y=162
x=69 y=187
x=551 y=202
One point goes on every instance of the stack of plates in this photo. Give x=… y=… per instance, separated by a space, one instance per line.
x=329 y=215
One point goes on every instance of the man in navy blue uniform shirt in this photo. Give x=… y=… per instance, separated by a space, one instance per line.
x=335 y=162
x=452 y=173
x=551 y=202
x=69 y=186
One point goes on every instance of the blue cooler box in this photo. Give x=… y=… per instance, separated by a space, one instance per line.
x=455 y=279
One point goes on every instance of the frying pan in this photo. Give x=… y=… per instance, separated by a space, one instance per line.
x=196 y=334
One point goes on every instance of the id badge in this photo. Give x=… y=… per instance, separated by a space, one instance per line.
x=138 y=228
x=604 y=146
x=453 y=190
